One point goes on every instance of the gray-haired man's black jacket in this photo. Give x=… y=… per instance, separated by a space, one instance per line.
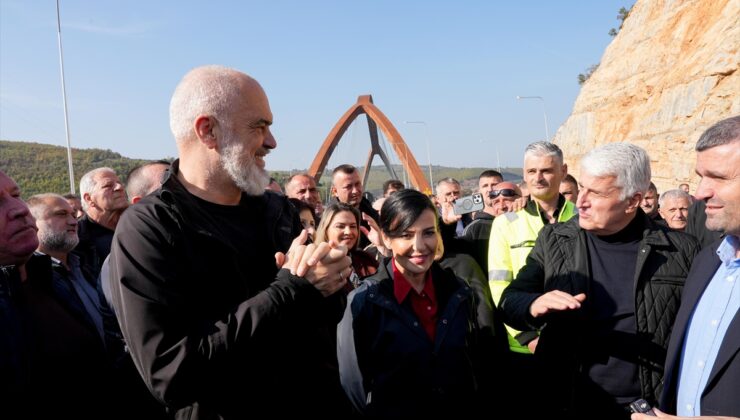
x=560 y=261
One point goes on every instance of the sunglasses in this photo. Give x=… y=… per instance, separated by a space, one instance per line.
x=506 y=192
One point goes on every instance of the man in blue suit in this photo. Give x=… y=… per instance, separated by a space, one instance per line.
x=702 y=375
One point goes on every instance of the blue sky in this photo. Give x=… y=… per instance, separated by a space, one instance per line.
x=456 y=65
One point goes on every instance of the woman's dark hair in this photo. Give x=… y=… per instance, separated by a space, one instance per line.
x=401 y=209
x=301 y=205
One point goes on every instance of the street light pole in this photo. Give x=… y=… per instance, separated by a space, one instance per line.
x=547 y=130
x=429 y=154
x=64 y=99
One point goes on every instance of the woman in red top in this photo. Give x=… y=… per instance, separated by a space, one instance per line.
x=419 y=338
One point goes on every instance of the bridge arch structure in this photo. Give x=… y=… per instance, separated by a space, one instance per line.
x=375 y=119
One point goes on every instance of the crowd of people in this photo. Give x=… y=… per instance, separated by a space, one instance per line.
x=203 y=289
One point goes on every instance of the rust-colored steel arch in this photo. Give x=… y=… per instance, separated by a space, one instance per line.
x=375 y=118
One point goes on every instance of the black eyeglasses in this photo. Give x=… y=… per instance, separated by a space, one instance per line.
x=506 y=192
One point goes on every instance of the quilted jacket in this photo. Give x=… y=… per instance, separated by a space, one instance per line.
x=560 y=261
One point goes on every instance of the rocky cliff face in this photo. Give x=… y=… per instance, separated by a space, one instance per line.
x=670 y=73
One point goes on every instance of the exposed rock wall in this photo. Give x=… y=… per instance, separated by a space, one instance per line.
x=670 y=73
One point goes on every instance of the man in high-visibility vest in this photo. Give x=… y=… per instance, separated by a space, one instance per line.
x=512 y=238
x=513 y=234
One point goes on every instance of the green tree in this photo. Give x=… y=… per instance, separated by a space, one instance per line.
x=621 y=17
x=582 y=77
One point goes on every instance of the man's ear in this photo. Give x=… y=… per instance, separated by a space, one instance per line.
x=205 y=130
x=333 y=191
x=634 y=202
x=87 y=199
x=565 y=169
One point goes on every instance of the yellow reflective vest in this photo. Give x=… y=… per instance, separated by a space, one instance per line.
x=512 y=238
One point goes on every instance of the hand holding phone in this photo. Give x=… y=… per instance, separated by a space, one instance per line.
x=642 y=406
x=468 y=204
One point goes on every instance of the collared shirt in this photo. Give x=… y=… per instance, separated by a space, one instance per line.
x=459 y=228
x=423 y=304
x=555 y=215
x=707 y=327
x=83 y=290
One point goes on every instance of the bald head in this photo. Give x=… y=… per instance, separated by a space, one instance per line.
x=209 y=90
x=503 y=196
x=145 y=179
x=221 y=120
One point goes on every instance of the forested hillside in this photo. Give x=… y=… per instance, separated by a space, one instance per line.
x=39 y=168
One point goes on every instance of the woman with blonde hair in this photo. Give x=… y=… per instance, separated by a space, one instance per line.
x=340 y=224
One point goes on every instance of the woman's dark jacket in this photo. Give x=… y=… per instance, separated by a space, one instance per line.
x=388 y=365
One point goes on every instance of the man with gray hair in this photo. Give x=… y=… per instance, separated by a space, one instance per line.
x=57 y=238
x=447 y=191
x=215 y=289
x=512 y=235
x=604 y=289
x=511 y=239
x=673 y=206
x=104 y=200
x=65 y=317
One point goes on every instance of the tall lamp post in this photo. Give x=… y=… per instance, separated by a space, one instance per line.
x=64 y=99
x=547 y=130
x=429 y=155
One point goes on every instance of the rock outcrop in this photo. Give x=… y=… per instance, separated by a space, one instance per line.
x=670 y=73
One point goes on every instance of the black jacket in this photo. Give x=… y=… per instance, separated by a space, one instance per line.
x=94 y=245
x=720 y=396
x=210 y=340
x=560 y=261
x=69 y=366
x=14 y=340
x=383 y=351
x=478 y=233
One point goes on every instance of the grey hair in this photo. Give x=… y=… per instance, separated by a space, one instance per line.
x=88 y=185
x=630 y=164
x=544 y=148
x=448 y=180
x=37 y=203
x=207 y=90
x=719 y=134
x=675 y=194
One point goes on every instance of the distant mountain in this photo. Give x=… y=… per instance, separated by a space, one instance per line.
x=40 y=168
x=468 y=177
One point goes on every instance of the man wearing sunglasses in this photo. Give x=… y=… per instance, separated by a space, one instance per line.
x=477 y=231
x=503 y=198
